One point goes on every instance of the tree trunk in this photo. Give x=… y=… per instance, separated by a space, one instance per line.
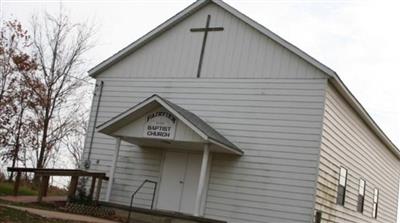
x=43 y=146
x=17 y=144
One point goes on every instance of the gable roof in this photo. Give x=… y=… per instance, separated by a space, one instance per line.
x=189 y=11
x=191 y=120
x=332 y=75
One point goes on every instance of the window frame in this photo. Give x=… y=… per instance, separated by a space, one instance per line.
x=375 y=203
x=361 y=195
x=342 y=188
x=318 y=216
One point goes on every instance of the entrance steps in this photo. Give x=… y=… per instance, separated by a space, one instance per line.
x=142 y=215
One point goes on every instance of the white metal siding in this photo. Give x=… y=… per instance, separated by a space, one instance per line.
x=276 y=122
x=239 y=51
x=348 y=142
x=263 y=98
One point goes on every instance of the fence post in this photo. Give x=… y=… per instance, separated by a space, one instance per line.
x=98 y=190
x=72 y=187
x=45 y=185
x=92 y=186
x=16 y=183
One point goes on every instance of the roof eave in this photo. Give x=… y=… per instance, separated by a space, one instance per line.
x=103 y=127
x=93 y=72
x=356 y=105
x=154 y=98
x=188 y=11
x=294 y=49
x=234 y=150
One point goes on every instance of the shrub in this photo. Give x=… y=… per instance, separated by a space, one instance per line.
x=82 y=197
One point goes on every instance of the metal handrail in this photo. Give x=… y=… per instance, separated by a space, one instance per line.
x=137 y=190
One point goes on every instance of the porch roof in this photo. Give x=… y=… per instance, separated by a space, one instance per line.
x=204 y=130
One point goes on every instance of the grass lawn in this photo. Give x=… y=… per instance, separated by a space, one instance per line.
x=7 y=188
x=9 y=215
x=43 y=206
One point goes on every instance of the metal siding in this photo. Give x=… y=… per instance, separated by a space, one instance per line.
x=276 y=122
x=256 y=93
x=348 y=142
x=239 y=51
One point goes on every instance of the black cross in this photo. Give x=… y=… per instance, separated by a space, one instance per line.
x=205 y=30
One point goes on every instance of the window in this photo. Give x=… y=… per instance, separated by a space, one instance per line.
x=341 y=193
x=375 y=203
x=318 y=217
x=361 y=196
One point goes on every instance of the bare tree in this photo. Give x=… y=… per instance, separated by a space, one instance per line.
x=74 y=142
x=60 y=46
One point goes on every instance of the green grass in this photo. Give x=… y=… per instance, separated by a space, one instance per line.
x=42 y=206
x=8 y=188
x=9 y=215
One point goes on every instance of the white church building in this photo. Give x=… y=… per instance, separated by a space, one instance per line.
x=234 y=123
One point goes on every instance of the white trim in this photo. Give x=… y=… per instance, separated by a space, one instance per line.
x=204 y=198
x=398 y=198
x=157 y=99
x=112 y=170
x=275 y=37
x=319 y=151
x=147 y=37
x=188 y=11
x=142 y=104
x=162 y=162
x=226 y=147
x=360 y=110
x=202 y=179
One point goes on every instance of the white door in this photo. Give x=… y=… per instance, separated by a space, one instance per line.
x=179 y=181
x=189 y=191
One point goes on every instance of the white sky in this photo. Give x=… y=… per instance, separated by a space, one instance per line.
x=360 y=40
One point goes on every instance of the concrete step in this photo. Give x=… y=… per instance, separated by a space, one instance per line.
x=137 y=217
x=141 y=215
x=146 y=218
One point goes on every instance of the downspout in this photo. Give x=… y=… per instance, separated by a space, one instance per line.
x=87 y=161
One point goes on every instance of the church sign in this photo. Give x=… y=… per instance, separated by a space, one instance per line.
x=160 y=124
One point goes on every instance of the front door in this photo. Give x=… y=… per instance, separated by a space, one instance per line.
x=179 y=182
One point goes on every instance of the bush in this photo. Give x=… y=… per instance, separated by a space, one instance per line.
x=82 y=196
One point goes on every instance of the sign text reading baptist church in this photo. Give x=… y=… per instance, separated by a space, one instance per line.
x=160 y=124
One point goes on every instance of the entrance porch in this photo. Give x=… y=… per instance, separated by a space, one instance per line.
x=187 y=143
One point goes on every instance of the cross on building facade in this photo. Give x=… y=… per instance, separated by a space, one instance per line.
x=205 y=30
